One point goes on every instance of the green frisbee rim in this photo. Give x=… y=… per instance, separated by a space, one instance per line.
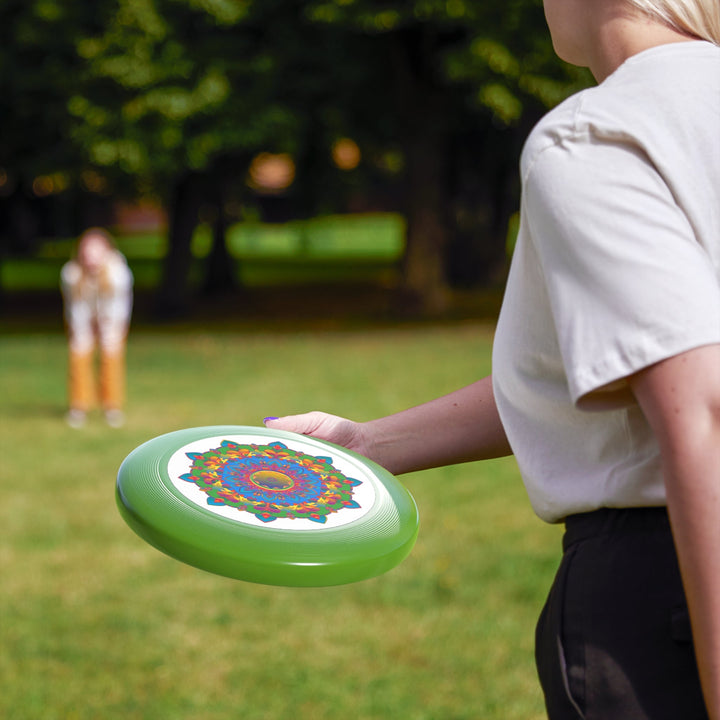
x=156 y=510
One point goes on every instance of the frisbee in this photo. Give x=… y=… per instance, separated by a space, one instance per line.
x=266 y=506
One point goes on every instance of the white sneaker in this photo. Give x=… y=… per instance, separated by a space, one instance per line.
x=75 y=418
x=115 y=418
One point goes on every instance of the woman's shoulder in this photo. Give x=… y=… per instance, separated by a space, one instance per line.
x=651 y=100
x=554 y=128
x=596 y=114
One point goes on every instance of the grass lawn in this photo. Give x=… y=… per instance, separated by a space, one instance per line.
x=94 y=623
x=340 y=248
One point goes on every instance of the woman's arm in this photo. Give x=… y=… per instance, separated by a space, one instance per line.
x=681 y=400
x=459 y=427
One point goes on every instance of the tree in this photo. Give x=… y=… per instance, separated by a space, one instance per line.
x=461 y=72
x=175 y=98
x=183 y=94
x=38 y=69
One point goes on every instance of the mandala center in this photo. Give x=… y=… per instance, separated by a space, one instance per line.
x=272 y=480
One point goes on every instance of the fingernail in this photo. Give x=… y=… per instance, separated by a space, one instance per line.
x=270 y=417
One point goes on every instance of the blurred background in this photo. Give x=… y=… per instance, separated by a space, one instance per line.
x=233 y=145
x=317 y=200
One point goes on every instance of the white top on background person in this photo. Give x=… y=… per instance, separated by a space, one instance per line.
x=97 y=289
x=657 y=281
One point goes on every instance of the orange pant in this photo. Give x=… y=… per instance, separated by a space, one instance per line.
x=83 y=390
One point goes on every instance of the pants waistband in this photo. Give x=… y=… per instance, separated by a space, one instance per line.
x=608 y=521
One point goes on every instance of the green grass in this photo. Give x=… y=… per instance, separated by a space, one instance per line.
x=32 y=274
x=94 y=623
x=339 y=248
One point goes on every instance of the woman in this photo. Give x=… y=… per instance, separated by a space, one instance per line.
x=606 y=365
x=97 y=293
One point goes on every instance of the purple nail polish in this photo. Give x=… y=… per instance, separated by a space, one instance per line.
x=270 y=417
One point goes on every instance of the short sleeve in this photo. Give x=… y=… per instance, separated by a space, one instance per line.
x=628 y=282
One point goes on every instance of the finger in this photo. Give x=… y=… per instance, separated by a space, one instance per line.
x=304 y=424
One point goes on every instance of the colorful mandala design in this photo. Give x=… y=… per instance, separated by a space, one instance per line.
x=271 y=481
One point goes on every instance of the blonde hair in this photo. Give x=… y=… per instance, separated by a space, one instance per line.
x=699 y=18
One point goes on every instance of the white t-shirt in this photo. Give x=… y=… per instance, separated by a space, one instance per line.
x=97 y=307
x=617 y=266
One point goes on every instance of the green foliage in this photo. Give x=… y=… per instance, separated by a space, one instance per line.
x=98 y=624
x=499 y=53
x=174 y=98
x=38 y=69
x=185 y=81
x=153 y=87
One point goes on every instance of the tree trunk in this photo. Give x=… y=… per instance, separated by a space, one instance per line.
x=424 y=277
x=425 y=148
x=174 y=296
x=220 y=266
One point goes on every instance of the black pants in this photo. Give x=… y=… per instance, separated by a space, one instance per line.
x=613 y=641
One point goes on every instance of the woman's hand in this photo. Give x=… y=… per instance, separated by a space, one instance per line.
x=323 y=426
